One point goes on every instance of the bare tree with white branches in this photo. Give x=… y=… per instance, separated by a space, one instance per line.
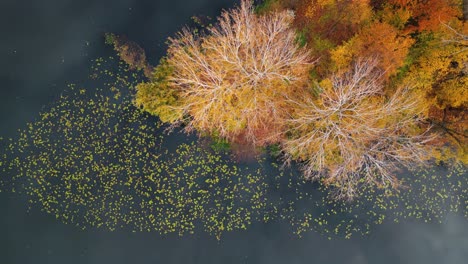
x=352 y=135
x=233 y=79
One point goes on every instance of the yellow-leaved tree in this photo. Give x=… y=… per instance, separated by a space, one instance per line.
x=440 y=74
x=158 y=97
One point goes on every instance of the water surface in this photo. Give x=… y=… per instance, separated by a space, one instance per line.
x=46 y=44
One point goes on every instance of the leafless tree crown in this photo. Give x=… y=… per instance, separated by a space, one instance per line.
x=232 y=78
x=353 y=135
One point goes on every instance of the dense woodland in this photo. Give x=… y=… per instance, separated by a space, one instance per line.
x=350 y=89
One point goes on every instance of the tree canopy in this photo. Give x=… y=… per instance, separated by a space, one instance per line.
x=234 y=80
x=352 y=135
x=351 y=89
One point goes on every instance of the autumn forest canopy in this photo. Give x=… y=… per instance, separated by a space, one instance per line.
x=350 y=89
x=318 y=113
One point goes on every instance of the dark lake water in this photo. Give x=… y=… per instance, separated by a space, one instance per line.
x=47 y=44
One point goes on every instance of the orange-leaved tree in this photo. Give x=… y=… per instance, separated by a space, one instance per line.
x=333 y=21
x=378 y=39
x=425 y=14
x=326 y=24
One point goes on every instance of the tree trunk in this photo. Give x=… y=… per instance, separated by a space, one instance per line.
x=465 y=10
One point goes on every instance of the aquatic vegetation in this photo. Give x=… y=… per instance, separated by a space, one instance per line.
x=94 y=160
x=429 y=195
x=130 y=52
